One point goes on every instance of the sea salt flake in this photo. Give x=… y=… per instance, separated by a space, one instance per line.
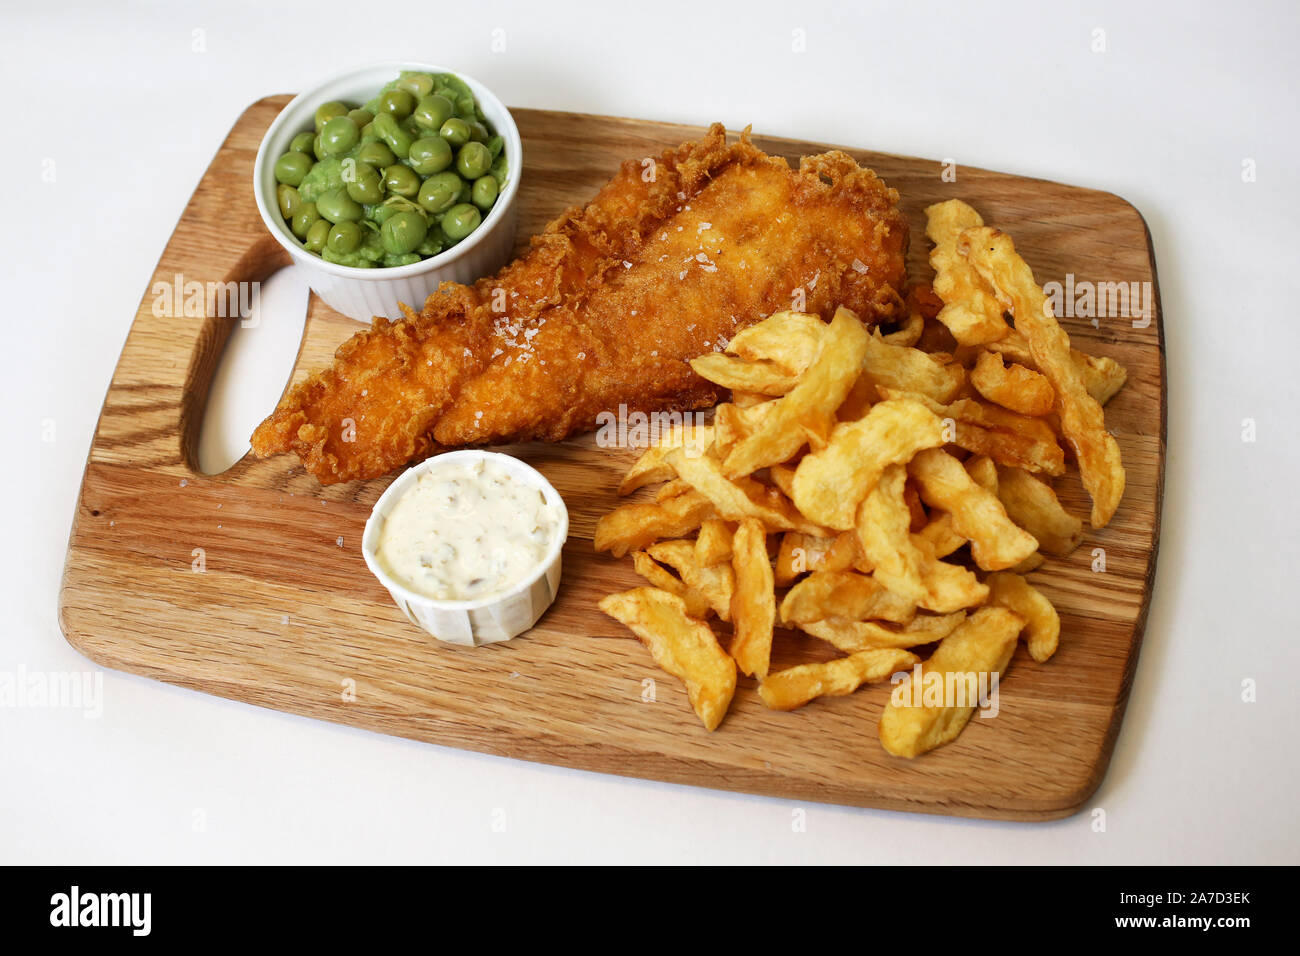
x=860 y=266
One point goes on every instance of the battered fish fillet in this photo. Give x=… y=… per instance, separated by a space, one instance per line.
x=611 y=300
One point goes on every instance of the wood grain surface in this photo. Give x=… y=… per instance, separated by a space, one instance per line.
x=283 y=616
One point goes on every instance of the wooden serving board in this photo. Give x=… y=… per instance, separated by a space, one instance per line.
x=283 y=616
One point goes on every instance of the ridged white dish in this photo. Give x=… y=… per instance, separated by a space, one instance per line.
x=488 y=620
x=363 y=293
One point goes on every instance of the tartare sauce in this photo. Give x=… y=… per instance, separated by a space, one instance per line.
x=466 y=530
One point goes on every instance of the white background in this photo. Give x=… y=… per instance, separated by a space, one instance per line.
x=130 y=114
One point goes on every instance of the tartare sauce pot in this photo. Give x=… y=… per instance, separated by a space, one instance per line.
x=487 y=620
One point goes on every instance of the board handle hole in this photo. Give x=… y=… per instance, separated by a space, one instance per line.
x=255 y=364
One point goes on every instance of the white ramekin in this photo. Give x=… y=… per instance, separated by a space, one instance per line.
x=363 y=293
x=485 y=621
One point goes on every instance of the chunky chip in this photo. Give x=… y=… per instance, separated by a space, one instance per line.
x=850 y=636
x=993 y=256
x=897 y=366
x=713 y=585
x=671 y=489
x=697 y=604
x=908 y=332
x=984 y=429
x=684 y=647
x=983 y=471
x=971 y=310
x=1042 y=624
x=783 y=477
x=713 y=544
x=807 y=412
x=982 y=645
x=652 y=466
x=633 y=526
x=996 y=543
x=1015 y=387
x=788 y=339
x=743 y=399
x=792 y=688
x=1033 y=505
x=903 y=562
x=844 y=594
x=939 y=535
x=800 y=553
x=753 y=606
x=765 y=378
x=829 y=484
x=1102 y=375
x=740 y=498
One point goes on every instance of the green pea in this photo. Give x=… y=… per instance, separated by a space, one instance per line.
x=303 y=219
x=478 y=133
x=438 y=193
x=302 y=143
x=403 y=232
x=432 y=111
x=454 y=83
x=417 y=84
x=432 y=244
x=365 y=186
x=327 y=111
x=396 y=103
x=473 y=160
x=317 y=150
x=495 y=145
x=459 y=221
x=344 y=237
x=391 y=132
x=401 y=180
x=376 y=154
x=429 y=154
x=339 y=135
x=484 y=192
x=455 y=131
x=362 y=118
x=292 y=167
x=317 y=236
x=338 y=206
x=500 y=169
x=288 y=199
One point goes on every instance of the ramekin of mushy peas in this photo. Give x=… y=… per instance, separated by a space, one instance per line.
x=388 y=180
x=399 y=178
